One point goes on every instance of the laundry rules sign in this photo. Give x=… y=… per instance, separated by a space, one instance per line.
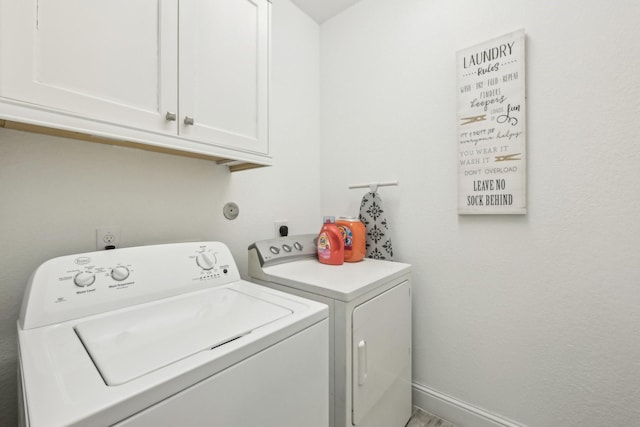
x=491 y=127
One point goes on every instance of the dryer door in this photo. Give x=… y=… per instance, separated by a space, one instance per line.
x=381 y=356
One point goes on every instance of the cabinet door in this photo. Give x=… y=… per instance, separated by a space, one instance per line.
x=381 y=352
x=223 y=62
x=113 y=61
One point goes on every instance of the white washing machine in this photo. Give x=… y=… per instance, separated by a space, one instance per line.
x=168 y=335
x=369 y=326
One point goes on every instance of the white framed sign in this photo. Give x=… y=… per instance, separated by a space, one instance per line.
x=491 y=127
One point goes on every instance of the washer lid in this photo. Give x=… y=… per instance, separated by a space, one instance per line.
x=127 y=345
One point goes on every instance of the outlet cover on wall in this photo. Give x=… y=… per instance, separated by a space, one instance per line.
x=278 y=224
x=107 y=237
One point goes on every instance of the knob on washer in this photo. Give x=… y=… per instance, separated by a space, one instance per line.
x=206 y=260
x=119 y=273
x=84 y=278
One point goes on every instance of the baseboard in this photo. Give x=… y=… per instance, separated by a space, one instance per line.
x=456 y=411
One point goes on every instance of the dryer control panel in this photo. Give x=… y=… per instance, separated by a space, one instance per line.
x=79 y=285
x=284 y=249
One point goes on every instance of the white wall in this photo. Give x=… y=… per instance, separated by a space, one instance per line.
x=54 y=192
x=530 y=318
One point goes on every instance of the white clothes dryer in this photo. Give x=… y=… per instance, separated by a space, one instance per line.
x=167 y=335
x=369 y=326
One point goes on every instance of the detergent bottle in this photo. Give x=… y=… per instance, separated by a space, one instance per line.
x=330 y=243
x=354 y=235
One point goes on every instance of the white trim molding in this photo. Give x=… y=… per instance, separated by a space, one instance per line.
x=456 y=411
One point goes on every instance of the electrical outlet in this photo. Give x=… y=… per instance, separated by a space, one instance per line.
x=107 y=236
x=278 y=224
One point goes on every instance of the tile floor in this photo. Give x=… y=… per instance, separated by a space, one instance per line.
x=425 y=419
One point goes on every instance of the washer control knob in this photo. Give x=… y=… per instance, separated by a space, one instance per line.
x=119 y=273
x=298 y=246
x=84 y=278
x=206 y=260
x=274 y=250
x=286 y=248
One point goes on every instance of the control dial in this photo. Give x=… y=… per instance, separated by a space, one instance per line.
x=84 y=278
x=119 y=273
x=206 y=260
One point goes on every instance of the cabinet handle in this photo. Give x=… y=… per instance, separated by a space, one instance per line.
x=171 y=117
x=188 y=120
x=362 y=362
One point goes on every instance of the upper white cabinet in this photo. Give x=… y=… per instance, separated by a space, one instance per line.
x=224 y=47
x=187 y=75
x=114 y=61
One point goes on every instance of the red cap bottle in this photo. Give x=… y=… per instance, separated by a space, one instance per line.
x=330 y=243
x=353 y=233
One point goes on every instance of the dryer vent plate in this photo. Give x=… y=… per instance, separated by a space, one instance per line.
x=231 y=211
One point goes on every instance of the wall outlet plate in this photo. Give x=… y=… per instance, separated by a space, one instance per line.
x=277 y=225
x=107 y=236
